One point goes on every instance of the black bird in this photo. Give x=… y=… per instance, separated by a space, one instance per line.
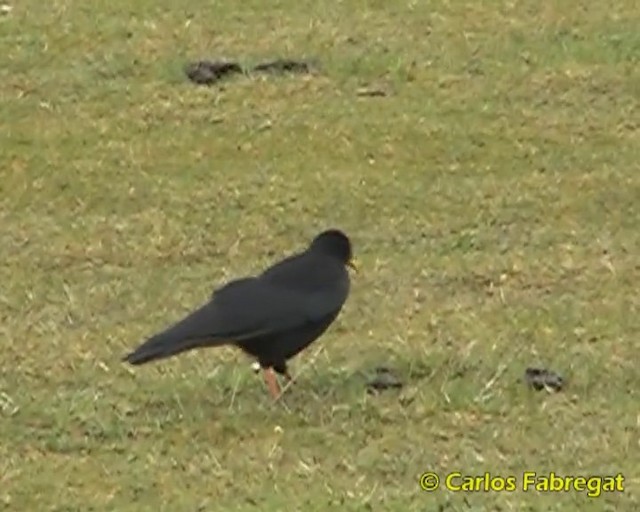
x=272 y=316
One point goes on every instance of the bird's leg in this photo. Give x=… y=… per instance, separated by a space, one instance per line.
x=272 y=382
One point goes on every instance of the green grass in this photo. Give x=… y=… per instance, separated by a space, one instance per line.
x=492 y=198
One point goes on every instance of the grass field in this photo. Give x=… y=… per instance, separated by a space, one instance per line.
x=491 y=195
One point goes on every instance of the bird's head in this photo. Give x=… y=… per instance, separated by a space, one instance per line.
x=335 y=243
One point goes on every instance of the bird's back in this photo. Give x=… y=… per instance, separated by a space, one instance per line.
x=309 y=272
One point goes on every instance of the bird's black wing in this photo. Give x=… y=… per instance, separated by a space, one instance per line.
x=258 y=306
x=241 y=310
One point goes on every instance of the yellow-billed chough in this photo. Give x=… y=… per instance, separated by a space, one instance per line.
x=272 y=316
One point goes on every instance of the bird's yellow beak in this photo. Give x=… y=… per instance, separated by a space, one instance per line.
x=353 y=265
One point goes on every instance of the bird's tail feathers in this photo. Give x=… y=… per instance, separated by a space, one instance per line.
x=159 y=347
x=185 y=335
